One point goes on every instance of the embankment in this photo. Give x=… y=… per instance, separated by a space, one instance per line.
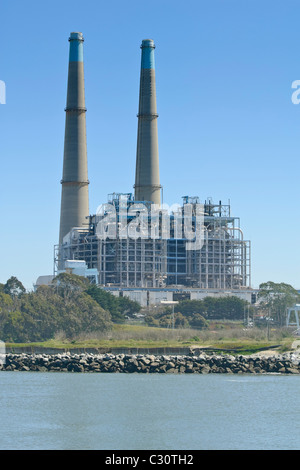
x=288 y=363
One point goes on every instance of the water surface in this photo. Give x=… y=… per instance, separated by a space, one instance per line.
x=148 y=411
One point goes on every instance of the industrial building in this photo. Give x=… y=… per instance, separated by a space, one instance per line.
x=134 y=245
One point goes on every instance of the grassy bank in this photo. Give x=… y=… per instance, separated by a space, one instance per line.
x=225 y=337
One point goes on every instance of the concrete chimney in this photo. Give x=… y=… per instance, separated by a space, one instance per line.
x=147 y=185
x=74 y=195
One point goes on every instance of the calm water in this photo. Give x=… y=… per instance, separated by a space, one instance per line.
x=153 y=411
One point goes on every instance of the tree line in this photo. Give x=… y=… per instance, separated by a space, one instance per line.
x=70 y=305
x=198 y=313
x=273 y=299
x=73 y=306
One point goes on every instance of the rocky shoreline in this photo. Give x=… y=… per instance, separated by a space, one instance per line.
x=288 y=363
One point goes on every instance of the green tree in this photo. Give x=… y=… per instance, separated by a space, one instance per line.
x=66 y=284
x=275 y=298
x=107 y=301
x=119 y=307
x=128 y=307
x=225 y=308
x=14 y=287
x=212 y=308
x=37 y=316
x=6 y=306
x=198 y=321
x=164 y=318
x=152 y=320
x=190 y=307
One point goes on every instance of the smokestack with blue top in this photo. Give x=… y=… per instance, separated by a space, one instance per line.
x=74 y=196
x=147 y=184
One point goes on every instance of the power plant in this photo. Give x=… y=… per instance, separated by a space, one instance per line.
x=147 y=186
x=74 y=195
x=134 y=245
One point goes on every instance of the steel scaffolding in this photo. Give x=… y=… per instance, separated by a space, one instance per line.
x=222 y=262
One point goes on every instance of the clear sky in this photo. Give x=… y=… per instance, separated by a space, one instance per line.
x=227 y=126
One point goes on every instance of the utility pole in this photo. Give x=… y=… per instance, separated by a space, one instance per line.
x=268 y=327
x=173 y=303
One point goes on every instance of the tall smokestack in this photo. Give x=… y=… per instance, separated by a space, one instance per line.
x=147 y=185
x=74 y=195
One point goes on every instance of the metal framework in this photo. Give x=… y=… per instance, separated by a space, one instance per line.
x=222 y=262
x=295 y=309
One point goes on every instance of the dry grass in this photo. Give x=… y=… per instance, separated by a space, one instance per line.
x=143 y=336
x=222 y=336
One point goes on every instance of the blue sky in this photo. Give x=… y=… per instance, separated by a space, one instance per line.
x=227 y=126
